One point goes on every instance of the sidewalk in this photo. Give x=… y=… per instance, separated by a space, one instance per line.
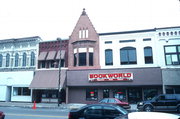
x=48 y=105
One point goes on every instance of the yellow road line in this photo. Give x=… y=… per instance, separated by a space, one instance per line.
x=30 y=115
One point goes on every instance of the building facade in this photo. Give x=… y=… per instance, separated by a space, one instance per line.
x=17 y=66
x=133 y=65
x=48 y=76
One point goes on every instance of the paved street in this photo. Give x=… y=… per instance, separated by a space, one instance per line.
x=28 y=113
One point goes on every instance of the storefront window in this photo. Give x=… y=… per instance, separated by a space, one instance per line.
x=149 y=93
x=91 y=94
x=106 y=93
x=50 y=94
x=21 y=91
x=120 y=94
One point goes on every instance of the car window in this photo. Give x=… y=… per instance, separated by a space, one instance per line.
x=112 y=101
x=104 y=101
x=94 y=110
x=111 y=111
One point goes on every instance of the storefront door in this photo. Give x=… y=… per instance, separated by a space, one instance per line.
x=134 y=95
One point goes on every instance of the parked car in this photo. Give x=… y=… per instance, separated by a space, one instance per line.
x=116 y=101
x=97 y=111
x=163 y=102
x=149 y=115
x=2 y=115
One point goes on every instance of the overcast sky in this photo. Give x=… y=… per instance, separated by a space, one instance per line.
x=50 y=19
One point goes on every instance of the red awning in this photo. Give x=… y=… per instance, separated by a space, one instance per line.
x=47 y=79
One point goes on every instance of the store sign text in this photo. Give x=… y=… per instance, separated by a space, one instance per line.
x=111 y=77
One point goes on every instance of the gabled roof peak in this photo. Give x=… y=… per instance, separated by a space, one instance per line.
x=84 y=12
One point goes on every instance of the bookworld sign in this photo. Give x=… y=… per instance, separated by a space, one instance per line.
x=111 y=77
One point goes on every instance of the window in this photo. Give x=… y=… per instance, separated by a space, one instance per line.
x=108 y=57
x=90 y=59
x=172 y=55
x=108 y=42
x=128 y=55
x=75 y=59
x=24 y=59
x=7 y=60
x=147 y=39
x=83 y=33
x=1 y=60
x=16 y=59
x=106 y=93
x=43 y=64
x=91 y=94
x=126 y=41
x=149 y=93
x=119 y=94
x=94 y=111
x=32 y=59
x=82 y=59
x=148 y=57
x=21 y=91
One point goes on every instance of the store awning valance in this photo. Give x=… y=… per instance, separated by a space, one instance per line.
x=47 y=79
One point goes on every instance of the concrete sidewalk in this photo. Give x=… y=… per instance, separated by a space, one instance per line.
x=49 y=105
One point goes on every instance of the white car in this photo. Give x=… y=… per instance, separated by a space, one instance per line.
x=149 y=115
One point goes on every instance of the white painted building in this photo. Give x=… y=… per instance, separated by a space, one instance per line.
x=18 y=60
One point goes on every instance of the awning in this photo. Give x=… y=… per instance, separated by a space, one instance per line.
x=42 y=56
x=51 y=55
x=48 y=79
x=62 y=54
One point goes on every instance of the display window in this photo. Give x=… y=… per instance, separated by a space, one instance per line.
x=120 y=94
x=91 y=94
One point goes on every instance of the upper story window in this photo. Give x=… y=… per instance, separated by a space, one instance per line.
x=128 y=55
x=83 y=33
x=32 y=59
x=1 y=60
x=108 y=57
x=108 y=42
x=24 y=59
x=148 y=56
x=147 y=39
x=83 y=57
x=16 y=60
x=127 y=41
x=7 y=60
x=172 y=55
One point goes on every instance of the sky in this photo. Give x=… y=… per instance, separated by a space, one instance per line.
x=50 y=19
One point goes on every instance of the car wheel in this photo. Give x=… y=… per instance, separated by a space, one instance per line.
x=148 y=108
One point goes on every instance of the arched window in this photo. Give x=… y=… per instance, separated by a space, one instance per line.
x=148 y=56
x=7 y=60
x=1 y=60
x=16 y=59
x=24 y=59
x=128 y=55
x=32 y=58
x=108 y=57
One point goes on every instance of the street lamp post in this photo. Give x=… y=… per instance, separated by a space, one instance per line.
x=59 y=80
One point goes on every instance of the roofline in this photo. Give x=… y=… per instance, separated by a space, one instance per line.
x=136 y=31
x=127 y=32
x=54 y=40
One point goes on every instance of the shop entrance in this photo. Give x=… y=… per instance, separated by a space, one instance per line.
x=134 y=95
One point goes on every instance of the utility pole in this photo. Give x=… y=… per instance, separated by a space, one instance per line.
x=59 y=80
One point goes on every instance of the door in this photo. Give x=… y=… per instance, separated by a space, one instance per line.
x=8 y=93
x=134 y=95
